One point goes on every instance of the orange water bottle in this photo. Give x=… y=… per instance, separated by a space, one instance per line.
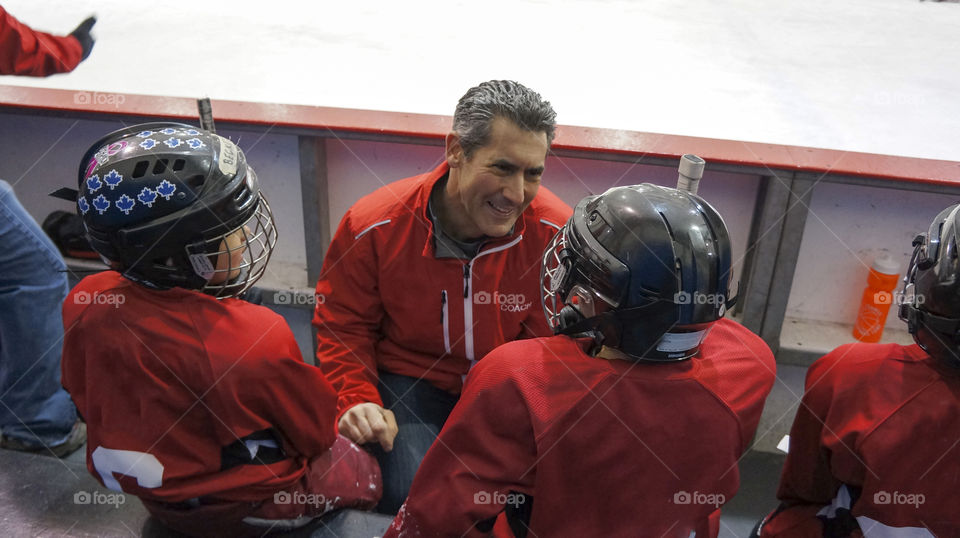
x=877 y=298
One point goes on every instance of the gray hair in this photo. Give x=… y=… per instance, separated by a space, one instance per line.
x=500 y=98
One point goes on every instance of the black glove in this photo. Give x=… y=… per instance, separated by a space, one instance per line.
x=82 y=33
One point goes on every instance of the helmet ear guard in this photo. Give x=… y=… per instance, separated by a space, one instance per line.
x=908 y=309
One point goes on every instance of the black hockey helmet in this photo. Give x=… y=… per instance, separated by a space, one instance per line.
x=643 y=269
x=931 y=290
x=159 y=202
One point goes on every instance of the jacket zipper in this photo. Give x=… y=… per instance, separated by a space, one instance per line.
x=446 y=321
x=468 y=300
x=468 y=317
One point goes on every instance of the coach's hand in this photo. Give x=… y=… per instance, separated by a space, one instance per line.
x=368 y=423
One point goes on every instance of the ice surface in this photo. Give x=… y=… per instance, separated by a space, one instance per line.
x=863 y=75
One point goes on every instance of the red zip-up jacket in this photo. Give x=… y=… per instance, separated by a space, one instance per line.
x=386 y=302
x=24 y=51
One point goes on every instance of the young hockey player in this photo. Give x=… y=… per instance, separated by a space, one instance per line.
x=631 y=420
x=873 y=448
x=196 y=402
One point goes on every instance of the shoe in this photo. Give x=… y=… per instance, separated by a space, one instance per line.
x=78 y=436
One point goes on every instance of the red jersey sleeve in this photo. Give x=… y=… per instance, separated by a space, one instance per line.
x=298 y=401
x=269 y=379
x=483 y=459
x=807 y=476
x=348 y=315
x=24 y=51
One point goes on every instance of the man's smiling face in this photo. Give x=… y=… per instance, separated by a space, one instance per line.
x=487 y=192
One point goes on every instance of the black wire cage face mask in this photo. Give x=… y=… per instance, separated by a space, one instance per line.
x=234 y=261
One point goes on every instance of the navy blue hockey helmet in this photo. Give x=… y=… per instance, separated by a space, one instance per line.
x=163 y=202
x=643 y=269
x=931 y=290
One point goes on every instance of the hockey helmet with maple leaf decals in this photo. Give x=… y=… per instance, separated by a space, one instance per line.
x=159 y=201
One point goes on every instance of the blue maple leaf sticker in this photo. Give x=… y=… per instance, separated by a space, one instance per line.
x=166 y=189
x=191 y=132
x=148 y=143
x=83 y=205
x=172 y=142
x=113 y=178
x=125 y=204
x=100 y=203
x=195 y=143
x=147 y=197
x=168 y=131
x=94 y=183
x=144 y=134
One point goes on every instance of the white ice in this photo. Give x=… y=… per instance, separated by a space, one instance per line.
x=877 y=76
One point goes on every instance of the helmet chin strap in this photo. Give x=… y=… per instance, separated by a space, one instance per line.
x=568 y=317
x=573 y=323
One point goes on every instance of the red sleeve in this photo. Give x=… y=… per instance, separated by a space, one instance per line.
x=24 y=51
x=807 y=476
x=302 y=406
x=347 y=317
x=273 y=381
x=485 y=451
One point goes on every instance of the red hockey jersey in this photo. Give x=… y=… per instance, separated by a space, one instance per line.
x=186 y=396
x=876 y=438
x=389 y=303
x=596 y=447
x=24 y=51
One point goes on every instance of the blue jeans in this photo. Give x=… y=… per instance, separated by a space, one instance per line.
x=420 y=410
x=34 y=408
